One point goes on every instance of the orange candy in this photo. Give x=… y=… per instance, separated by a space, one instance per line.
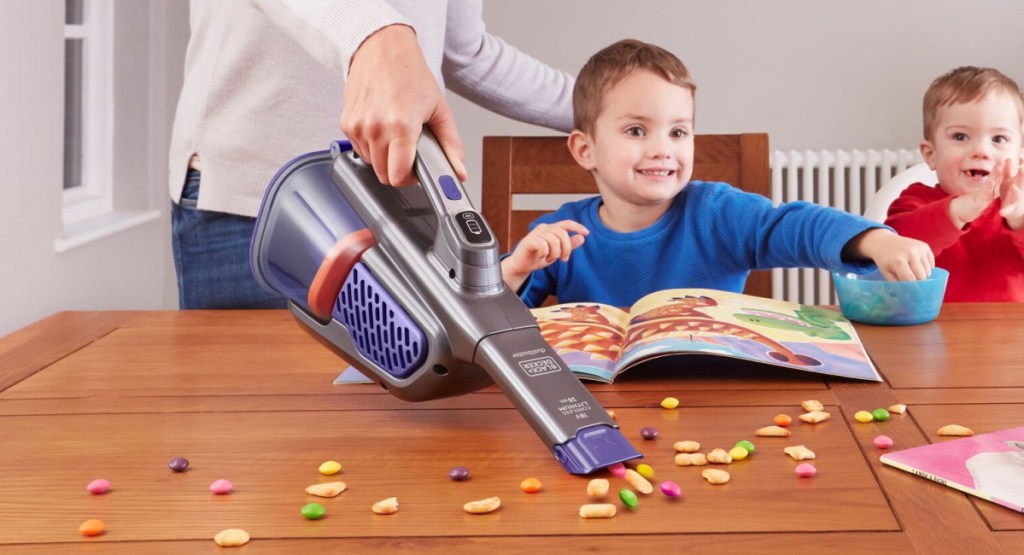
x=530 y=485
x=91 y=527
x=782 y=420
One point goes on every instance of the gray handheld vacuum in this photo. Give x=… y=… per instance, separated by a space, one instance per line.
x=405 y=284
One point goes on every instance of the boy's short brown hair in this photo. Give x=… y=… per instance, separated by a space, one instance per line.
x=613 y=63
x=966 y=84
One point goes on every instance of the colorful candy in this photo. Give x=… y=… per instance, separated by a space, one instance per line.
x=221 y=487
x=313 y=511
x=805 y=470
x=669 y=403
x=628 y=498
x=91 y=527
x=880 y=415
x=99 y=486
x=782 y=420
x=748 y=445
x=618 y=470
x=459 y=473
x=530 y=485
x=738 y=453
x=670 y=489
x=648 y=432
x=863 y=416
x=330 y=467
x=178 y=464
x=883 y=442
x=645 y=470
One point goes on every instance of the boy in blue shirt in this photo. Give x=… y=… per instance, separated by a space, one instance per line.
x=651 y=228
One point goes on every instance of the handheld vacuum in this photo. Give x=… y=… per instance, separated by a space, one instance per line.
x=405 y=284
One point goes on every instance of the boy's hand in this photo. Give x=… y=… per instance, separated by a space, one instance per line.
x=898 y=258
x=1012 y=194
x=545 y=244
x=964 y=209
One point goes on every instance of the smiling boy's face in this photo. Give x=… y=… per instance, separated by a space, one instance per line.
x=970 y=139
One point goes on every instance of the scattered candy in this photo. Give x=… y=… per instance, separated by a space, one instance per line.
x=773 y=431
x=482 y=506
x=99 y=486
x=232 y=537
x=898 y=408
x=597 y=488
x=746 y=444
x=782 y=420
x=312 y=511
x=815 y=416
x=738 y=453
x=686 y=446
x=459 y=473
x=387 y=506
x=645 y=470
x=670 y=489
x=812 y=405
x=863 y=416
x=618 y=470
x=178 y=464
x=648 y=432
x=530 y=485
x=715 y=476
x=719 y=456
x=880 y=415
x=91 y=527
x=669 y=403
x=799 y=452
x=628 y=498
x=220 y=487
x=883 y=442
x=330 y=467
x=955 y=430
x=600 y=510
x=805 y=470
x=691 y=459
x=327 y=489
x=638 y=482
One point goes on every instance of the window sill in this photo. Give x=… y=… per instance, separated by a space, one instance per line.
x=87 y=231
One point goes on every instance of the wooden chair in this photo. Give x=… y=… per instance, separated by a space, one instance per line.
x=543 y=165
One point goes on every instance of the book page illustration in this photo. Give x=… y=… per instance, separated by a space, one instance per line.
x=588 y=336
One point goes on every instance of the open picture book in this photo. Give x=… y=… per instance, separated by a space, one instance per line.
x=599 y=342
x=989 y=466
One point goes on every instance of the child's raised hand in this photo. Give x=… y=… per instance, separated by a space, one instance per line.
x=540 y=248
x=1012 y=194
x=964 y=209
x=898 y=258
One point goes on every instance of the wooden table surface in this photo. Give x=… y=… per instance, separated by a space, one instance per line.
x=248 y=396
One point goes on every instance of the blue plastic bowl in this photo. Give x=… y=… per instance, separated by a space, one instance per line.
x=870 y=299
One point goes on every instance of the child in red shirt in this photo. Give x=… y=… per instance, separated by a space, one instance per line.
x=974 y=218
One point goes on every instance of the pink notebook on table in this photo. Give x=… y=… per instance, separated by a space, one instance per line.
x=990 y=466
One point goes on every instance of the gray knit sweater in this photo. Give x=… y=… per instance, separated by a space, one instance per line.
x=264 y=80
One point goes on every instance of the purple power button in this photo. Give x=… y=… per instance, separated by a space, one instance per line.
x=450 y=189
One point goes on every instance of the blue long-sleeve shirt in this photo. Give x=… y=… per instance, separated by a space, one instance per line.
x=711 y=237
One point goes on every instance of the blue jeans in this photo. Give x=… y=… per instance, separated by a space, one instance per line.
x=211 y=256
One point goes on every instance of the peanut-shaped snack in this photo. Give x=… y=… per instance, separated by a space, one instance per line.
x=597 y=489
x=955 y=430
x=799 y=452
x=232 y=537
x=815 y=416
x=483 y=506
x=326 y=489
x=599 y=510
x=719 y=456
x=715 y=476
x=638 y=482
x=773 y=431
x=812 y=405
x=691 y=459
x=686 y=446
x=387 y=506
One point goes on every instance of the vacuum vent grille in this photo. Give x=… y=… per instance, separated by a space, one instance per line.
x=382 y=330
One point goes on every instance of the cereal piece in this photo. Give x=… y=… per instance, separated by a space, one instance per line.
x=686 y=446
x=645 y=470
x=863 y=416
x=815 y=416
x=880 y=415
x=628 y=498
x=782 y=420
x=799 y=452
x=805 y=470
x=899 y=408
x=812 y=405
x=330 y=467
x=597 y=489
x=459 y=473
x=530 y=485
x=883 y=442
x=670 y=488
x=599 y=510
x=955 y=430
x=327 y=489
x=648 y=432
x=748 y=445
x=618 y=470
x=691 y=459
x=98 y=486
x=715 y=476
x=719 y=456
x=773 y=431
x=669 y=403
x=313 y=511
x=738 y=453
x=91 y=527
x=482 y=506
x=387 y=506
x=178 y=464
x=638 y=482
x=232 y=537
x=222 y=487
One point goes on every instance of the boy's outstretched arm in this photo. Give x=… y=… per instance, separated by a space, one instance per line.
x=540 y=248
x=1011 y=191
x=898 y=258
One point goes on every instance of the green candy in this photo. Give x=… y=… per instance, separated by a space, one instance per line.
x=628 y=498
x=880 y=415
x=746 y=445
x=313 y=511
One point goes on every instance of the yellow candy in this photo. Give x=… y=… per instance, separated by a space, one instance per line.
x=645 y=470
x=863 y=416
x=669 y=402
x=330 y=467
x=738 y=453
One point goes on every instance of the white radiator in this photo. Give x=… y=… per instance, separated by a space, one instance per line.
x=843 y=179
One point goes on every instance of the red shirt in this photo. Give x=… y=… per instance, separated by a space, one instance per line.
x=985 y=259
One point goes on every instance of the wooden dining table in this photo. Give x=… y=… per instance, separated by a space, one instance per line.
x=249 y=397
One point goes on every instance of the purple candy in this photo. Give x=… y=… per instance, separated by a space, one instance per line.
x=178 y=464
x=648 y=432
x=670 y=489
x=459 y=473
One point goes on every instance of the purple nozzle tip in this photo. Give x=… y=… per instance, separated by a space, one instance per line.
x=595 y=447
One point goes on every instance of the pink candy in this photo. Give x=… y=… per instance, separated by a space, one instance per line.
x=883 y=442
x=670 y=489
x=220 y=487
x=97 y=487
x=618 y=470
x=805 y=470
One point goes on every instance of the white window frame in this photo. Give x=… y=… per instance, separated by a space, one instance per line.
x=94 y=197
